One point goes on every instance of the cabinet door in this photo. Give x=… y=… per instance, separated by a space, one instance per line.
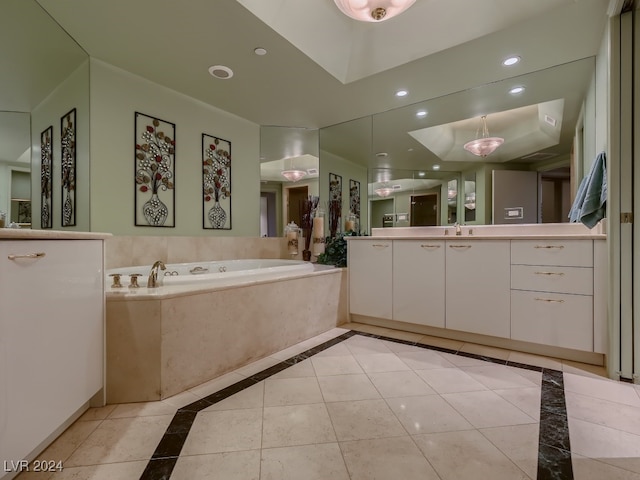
x=553 y=319
x=370 y=276
x=51 y=337
x=418 y=281
x=478 y=286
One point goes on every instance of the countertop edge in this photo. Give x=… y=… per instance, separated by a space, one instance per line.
x=28 y=234
x=485 y=237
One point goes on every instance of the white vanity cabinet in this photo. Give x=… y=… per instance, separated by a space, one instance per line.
x=477 y=286
x=370 y=277
x=51 y=338
x=419 y=282
x=552 y=293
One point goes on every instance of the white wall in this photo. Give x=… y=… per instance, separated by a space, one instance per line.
x=115 y=97
x=72 y=93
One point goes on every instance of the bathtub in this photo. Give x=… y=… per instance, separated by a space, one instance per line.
x=209 y=318
x=218 y=273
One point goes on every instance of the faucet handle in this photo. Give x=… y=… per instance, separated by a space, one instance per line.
x=116 y=280
x=133 y=282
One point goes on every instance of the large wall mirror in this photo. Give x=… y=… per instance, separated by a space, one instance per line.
x=420 y=174
x=37 y=58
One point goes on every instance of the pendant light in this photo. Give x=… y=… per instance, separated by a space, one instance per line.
x=484 y=145
x=373 y=10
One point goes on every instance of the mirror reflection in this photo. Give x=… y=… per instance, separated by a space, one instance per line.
x=417 y=159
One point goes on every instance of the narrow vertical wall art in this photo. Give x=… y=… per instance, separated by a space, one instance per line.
x=154 y=172
x=68 y=167
x=46 y=169
x=354 y=199
x=216 y=183
x=335 y=203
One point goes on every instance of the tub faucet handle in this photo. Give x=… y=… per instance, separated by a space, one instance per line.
x=116 y=280
x=133 y=280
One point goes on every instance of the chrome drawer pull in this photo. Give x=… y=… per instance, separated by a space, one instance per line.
x=549 y=246
x=549 y=300
x=380 y=245
x=424 y=245
x=459 y=246
x=550 y=273
x=26 y=255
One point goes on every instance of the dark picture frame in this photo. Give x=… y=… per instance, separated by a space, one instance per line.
x=154 y=171
x=46 y=178
x=68 y=168
x=216 y=183
x=354 y=198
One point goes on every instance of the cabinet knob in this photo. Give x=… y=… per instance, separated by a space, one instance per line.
x=26 y=255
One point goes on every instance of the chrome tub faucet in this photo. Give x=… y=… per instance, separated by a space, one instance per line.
x=152 y=281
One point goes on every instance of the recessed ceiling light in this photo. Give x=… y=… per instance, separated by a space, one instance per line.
x=221 y=72
x=402 y=93
x=260 y=51
x=507 y=62
x=409 y=149
x=421 y=174
x=516 y=90
x=421 y=113
x=436 y=167
x=381 y=154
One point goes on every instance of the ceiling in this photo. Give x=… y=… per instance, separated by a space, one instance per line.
x=321 y=68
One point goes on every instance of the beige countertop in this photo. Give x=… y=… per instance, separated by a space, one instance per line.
x=29 y=234
x=462 y=238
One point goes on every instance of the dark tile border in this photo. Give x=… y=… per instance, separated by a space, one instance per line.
x=554 y=452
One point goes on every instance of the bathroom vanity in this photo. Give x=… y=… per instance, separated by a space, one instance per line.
x=535 y=288
x=51 y=336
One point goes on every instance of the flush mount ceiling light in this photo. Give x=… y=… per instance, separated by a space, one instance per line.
x=510 y=61
x=373 y=10
x=516 y=90
x=293 y=175
x=402 y=93
x=436 y=167
x=484 y=145
x=221 y=72
x=384 y=191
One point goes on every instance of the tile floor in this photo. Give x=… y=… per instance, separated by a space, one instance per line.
x=367 y=408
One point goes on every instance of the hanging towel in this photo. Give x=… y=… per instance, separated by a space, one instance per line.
x=589 y=204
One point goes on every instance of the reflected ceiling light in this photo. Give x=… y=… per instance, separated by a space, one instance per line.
x=421 y=113
x=421 y=174
x=384 y=190
x=373 y=10
x=470 y=201
x=293 y=175
x=436 y=167
x=402 y=93
x=507 y=62
x=516 y=90
x=484 y=145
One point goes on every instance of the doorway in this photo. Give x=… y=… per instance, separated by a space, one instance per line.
x=295 y=197
x=424 y=210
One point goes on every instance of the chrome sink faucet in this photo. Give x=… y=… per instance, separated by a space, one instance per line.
x=152 y=281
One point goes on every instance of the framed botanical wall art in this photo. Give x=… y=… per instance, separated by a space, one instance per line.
x=354 y=198
x=216 y=183
x=155 y=149
x=68 y=167
x=46 y=179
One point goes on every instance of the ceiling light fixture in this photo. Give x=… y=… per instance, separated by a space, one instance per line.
x=510 y=61
x=293 y=175
x=436 y=167
x=384 y=191
x=484 y=145
x=516 y=90
x=373 y=10
x=402 y=93
x=260 y=51
x=421 y=113
x=221 y=72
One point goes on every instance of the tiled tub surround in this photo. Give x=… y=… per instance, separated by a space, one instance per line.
x=369 y=407
x=165 y=340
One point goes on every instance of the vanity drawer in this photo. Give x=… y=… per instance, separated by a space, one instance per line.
x=546 y=278
x=552 y=319
x=574 y=253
